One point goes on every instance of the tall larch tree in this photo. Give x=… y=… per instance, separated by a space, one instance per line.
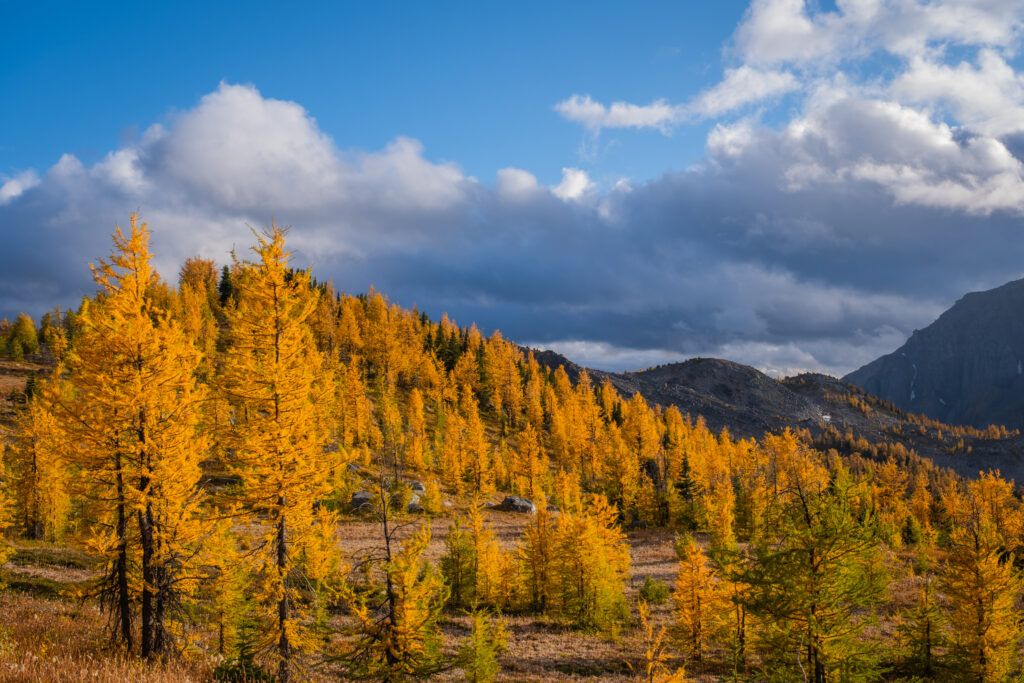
x=536 y=557
x=592 y=563
x=39 y=470
x=700 y=602
x=133 y=420
x=273 y=376
x=982 y=586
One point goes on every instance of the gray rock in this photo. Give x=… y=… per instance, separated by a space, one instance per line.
x=414 y=505
x=417 y=487
x=517 y=504
x=967 y=367
x=361 y=501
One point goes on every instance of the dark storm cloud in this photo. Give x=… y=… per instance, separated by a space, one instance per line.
x=782 y=250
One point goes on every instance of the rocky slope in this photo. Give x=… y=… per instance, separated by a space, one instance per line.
x=965 y=368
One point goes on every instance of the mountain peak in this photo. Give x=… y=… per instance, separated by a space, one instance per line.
x=967 y=367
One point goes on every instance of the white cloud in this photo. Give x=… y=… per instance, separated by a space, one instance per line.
x=729 y=140
x=987 y=98
x=780 y=31
x=575 y=184
x=913 y=158
x=594 y=116
x=790 y=32
x=758 y=254
x=742 y=86
x=240 y=149
x=608 y=357
x=12 y=188
x=515 y=184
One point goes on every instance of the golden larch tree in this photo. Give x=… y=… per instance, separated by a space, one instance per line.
x=273 y=376
x=133 y=422
x=982 y=586
x=699 y=600
x=38 y=470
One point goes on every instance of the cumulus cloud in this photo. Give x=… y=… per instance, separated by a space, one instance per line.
x=575 y=184
x=817 y=242
x=789 y=32
x=925 y=100
x=742 y=86
x=11 y=188
x=986 y=97
x=594 y=116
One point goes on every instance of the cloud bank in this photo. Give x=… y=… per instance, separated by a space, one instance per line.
x=817 y=242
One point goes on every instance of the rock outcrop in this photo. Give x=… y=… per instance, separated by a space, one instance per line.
x=965 y=368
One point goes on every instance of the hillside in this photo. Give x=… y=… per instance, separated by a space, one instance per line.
x=748 y=403
x=965 y=368
x=328 y=484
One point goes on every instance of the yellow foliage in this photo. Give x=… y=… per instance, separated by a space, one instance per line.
x=274 y=376
x=133 y=421
x=699 y=600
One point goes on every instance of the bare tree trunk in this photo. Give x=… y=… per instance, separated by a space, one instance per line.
x=284 y=649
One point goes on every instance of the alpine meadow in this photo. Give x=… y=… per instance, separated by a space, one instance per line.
x=512 y=342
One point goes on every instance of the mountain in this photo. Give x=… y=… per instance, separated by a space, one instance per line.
x=965 y=368
x=727 y=395
x=837 y=414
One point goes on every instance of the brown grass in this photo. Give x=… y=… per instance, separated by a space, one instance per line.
x=63 y=639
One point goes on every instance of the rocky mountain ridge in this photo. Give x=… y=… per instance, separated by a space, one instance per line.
x=748 y=403
x=967 y=367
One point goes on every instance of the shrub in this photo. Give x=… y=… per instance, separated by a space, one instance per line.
x=653 y=591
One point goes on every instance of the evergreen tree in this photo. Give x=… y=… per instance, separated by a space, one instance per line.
x=816 y=580
x=274 y=378
x=922 y=631
x=226 y=286
x=479 y=655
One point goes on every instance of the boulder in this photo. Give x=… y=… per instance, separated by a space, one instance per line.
x=417 y=487
x=517 y=504
x=414 y=504
x=361 y=501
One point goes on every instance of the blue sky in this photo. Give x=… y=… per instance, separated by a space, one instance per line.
x=474 y=81
x=792 y=184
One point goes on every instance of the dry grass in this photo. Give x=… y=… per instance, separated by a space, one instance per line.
x=46 y=638
x=63 y=641
x=13 y=375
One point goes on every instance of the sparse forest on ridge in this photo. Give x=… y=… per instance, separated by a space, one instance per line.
x=247 y=475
